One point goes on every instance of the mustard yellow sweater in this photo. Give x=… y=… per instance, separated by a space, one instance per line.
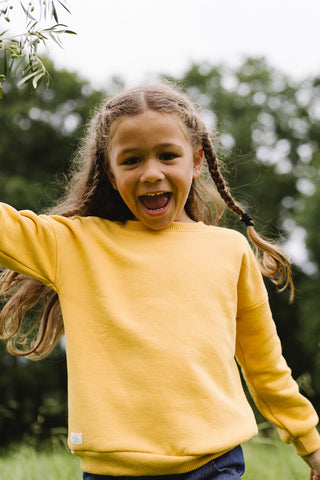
x=153 y=322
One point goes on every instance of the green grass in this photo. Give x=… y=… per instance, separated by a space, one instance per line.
x=25 y=463
x=265 y=460
x=273 y=460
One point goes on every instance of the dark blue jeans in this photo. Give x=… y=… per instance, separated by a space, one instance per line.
x=229 y=466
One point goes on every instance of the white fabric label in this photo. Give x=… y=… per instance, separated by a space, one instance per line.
x=76 y=438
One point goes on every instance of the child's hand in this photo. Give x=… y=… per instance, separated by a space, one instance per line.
x=313 y=460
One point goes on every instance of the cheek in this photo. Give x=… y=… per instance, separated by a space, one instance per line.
x=187 y=179
x=125 y=187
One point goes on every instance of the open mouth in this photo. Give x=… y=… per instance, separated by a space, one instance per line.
x=155 y=202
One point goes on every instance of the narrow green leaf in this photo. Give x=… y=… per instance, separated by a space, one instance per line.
x=40 y=35
x=31 y=27
x=36 y=80
x=30 y=68
x=14 y=43
x=27 y=13
x=62 y=5
x=54 y=13
x=26 y=78
x=56 y=25
x=11 y=63
x=55 y=39
x=48 y=78
x=62 y=31
x=5 y=61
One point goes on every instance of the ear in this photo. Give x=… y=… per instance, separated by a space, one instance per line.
x=110 y=176
x=197 y=163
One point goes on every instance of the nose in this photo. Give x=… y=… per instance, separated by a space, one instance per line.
x=151 y=171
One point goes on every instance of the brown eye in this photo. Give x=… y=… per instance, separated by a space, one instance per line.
x=131 y=161
x=167 y=156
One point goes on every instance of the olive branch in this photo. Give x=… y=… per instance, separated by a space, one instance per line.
x=20 y=52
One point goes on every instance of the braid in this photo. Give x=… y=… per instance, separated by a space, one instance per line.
x=273 y=263
x=217 y=177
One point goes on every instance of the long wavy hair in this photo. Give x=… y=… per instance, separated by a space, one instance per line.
x=90 y=193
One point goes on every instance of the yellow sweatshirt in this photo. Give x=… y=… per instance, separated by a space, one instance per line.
x=153 y=322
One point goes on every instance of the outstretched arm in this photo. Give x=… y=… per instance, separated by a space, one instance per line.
x=28 y=245
x=313 y=460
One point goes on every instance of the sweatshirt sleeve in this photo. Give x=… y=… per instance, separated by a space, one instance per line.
x=269 y=379
x=28 y=244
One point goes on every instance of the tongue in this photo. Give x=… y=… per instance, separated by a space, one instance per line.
x=155 y=202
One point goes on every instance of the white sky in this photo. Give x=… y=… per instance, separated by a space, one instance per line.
x=140 y=38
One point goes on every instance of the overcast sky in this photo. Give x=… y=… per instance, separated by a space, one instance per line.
x=139 y=38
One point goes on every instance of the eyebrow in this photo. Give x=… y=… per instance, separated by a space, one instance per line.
x=159 y=145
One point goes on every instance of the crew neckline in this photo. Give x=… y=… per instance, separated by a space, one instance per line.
x=173 y=227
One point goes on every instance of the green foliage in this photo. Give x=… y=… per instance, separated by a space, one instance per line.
x=20 y=51
x=252 y=107
x=39 y=133
x=269 y=143
x=32 y=397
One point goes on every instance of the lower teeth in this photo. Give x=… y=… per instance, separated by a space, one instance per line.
x=156 y=203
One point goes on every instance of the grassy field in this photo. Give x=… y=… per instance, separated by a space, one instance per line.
x=274 y=461
x=265 y=460
x=25 y=463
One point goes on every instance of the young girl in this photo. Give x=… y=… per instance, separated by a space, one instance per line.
x=156 y=302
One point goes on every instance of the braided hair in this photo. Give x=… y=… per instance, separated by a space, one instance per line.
x=273 y=263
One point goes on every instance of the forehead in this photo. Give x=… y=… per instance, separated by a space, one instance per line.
x=146 y=129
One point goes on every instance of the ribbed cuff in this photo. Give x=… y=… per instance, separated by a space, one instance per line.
x=308 y=443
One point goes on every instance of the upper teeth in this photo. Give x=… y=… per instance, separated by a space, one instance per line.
x=153 y=194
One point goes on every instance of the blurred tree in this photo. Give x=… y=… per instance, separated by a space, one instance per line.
x=305 y=223
x=33 y=397
x=268 y=139
x=39 y=132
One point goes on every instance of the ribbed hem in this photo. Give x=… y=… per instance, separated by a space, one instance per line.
x=137 y=463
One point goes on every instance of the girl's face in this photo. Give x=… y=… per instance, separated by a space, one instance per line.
x=152 y=165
